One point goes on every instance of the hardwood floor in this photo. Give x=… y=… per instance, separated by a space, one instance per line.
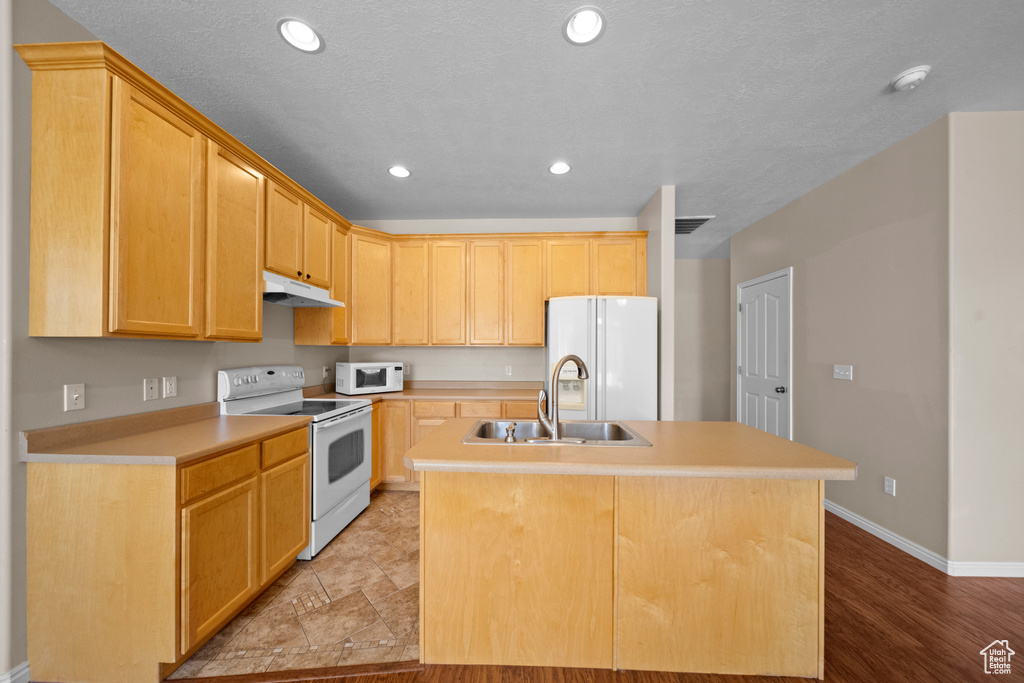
x=888 y=618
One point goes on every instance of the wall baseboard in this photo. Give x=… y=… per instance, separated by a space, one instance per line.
x=18 y=675
x=991 y=569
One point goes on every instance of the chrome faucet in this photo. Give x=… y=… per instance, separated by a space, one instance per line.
x=552 y=425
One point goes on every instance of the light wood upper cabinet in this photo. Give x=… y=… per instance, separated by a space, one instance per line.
x=371 y=290
x=234 y=247
x=316 y=248
x=156 y=221
x=567 y=266
x=298 y=238
x=340 y=287
x=447 y=292
x=524 y=293
x=486 y=292
x=410 y=300
x=616 y=266
x=284 y=231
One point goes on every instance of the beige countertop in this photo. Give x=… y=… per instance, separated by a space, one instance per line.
x=166 y=437
x=445 y=395
x=679 y=449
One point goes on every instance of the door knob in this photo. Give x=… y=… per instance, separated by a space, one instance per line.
x=780 y=390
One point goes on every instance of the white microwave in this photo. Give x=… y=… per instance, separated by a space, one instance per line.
x=368 y=378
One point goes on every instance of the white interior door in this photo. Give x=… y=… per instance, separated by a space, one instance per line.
x=764 y=389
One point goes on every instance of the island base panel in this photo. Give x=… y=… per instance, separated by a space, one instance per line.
x=517 y=569
x=720 y=575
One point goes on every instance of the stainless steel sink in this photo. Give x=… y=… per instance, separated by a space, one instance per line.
x=591 y=433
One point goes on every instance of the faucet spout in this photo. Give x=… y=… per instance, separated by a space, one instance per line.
x=551 y=424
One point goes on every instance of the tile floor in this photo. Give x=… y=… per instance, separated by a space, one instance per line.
x=356 y=602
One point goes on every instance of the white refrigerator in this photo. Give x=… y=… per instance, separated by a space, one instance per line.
x=617 y=337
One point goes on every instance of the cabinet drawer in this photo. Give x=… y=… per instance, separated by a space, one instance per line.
x=520 y=410
x=433 y=408
x=480 y=409
x=199 y=480
x=281 y=448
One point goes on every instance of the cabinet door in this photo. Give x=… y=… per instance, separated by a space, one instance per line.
x=524 y=287
x=448 y=293
x=371 y=290
x=316 y=247
x=377 y=446
x=397 y=421
x=284 y=232
x=613 y=270
x=284 y=515
x=567 y=265
x=156 y=218
x=486 y=292
x=218 y=559
x=409 y=293
x=340 y=286
x=234 y=247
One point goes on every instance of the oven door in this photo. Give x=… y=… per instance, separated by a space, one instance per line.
x=342 y=455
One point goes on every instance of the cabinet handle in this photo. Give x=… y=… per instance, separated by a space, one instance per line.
x=300 y=273
x=307 y=276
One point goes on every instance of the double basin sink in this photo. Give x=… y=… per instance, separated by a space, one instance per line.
x=592 y=433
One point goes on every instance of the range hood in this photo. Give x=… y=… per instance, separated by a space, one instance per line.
x=287 y=292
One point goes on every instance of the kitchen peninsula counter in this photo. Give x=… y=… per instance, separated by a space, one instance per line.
x=701 y=553
x=678 y=449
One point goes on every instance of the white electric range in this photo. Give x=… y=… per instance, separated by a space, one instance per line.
x=339 y=440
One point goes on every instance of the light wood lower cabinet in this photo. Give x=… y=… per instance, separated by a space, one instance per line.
x=138 y=565
x=219 y=569
x=397 y=429
x=377 y=447
x=284 y=521
x=405 y=422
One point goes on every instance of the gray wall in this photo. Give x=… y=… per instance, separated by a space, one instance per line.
x=870 y=258
x=702 y=343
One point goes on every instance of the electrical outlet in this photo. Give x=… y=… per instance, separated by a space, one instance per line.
x=327 y=371
x=842 y=372
x=170 y=387
x=406 y=371
x=890 y=486
x=508 y=370
x=151 y=389
x=74 y=396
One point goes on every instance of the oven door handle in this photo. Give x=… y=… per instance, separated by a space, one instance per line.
x=335 y=421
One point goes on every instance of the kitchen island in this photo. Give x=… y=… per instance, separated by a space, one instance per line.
x=701 y=553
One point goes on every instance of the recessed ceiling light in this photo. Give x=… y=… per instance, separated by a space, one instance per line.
x=910 y=79
x=559 y=167
x=399 y=171
x=300 y=35
x=584 y=26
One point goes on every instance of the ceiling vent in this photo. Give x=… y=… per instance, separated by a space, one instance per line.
x=687 y=224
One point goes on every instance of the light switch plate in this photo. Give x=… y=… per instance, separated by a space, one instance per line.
x=170 y=386
x=842 y=372
x=74 y=397
x=151 y=389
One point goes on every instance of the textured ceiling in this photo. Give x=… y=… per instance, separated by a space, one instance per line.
x=743 y=106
